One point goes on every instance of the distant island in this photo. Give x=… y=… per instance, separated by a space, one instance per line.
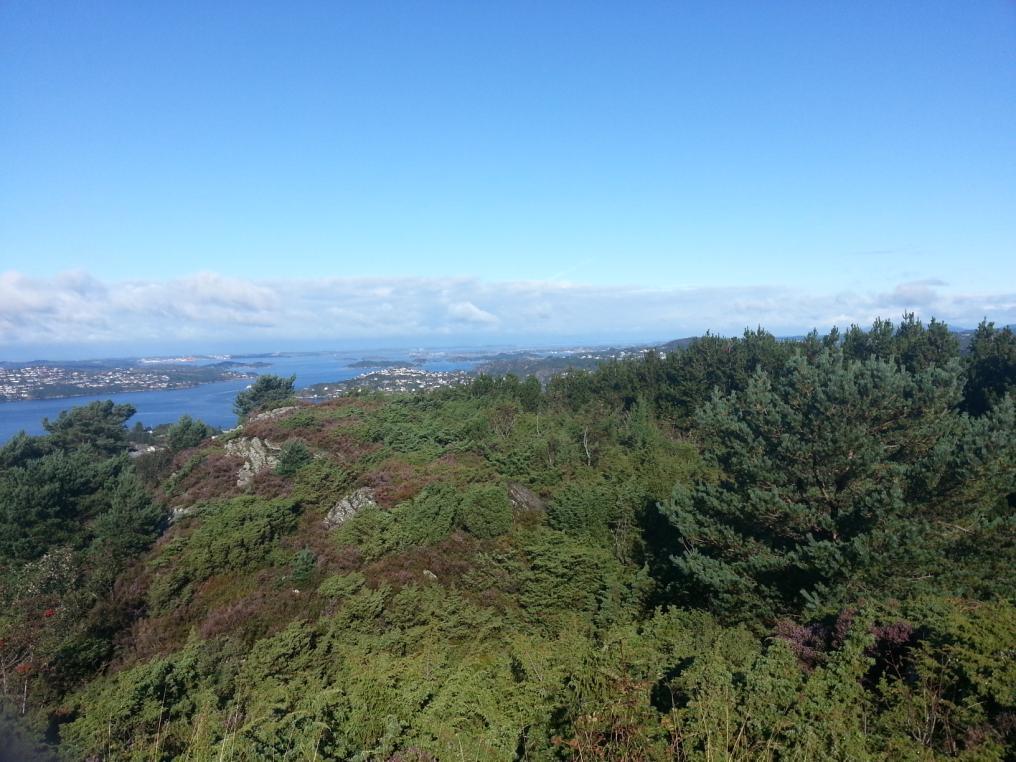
x=368 y=363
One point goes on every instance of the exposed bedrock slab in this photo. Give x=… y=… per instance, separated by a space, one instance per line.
x=349 y=506
x=258 y=454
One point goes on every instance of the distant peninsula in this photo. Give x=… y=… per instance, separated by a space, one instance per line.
x=400 y=380
x=48 y=380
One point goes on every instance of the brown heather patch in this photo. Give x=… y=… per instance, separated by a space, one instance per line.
x=155 y=636
x=260 y=613
x=463 y=468
x=270 y=485
x=331 y=558
x=265 y=611
x=335 y=437
x=395 y=481
x=274 y=428
x=231 y=617
x=451 y=461
x=343 y=404
x=341 y=444
x=246 y=606
x=270 y=430
x=449 y=560
x=347 y=558
x=214 y=477
x=338 y=415
x=221 y=589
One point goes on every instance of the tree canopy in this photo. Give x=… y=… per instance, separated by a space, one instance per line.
x=265 y=390
x=98 y=425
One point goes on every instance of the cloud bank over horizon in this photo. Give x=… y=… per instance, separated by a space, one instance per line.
x=75 y=309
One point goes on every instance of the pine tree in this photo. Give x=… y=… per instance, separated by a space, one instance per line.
x=992 y=367
x=820 y=468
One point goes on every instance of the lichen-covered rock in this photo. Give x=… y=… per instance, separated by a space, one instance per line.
x=271 y=415
x=258 y=454
x=349 y=506
x=178 y=514
x=524 y=499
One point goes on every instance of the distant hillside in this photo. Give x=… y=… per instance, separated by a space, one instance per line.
x=544 y=366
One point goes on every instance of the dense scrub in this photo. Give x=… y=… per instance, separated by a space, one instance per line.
x=746 y=549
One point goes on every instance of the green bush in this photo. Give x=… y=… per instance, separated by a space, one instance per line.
x=187 y=432
x=341 y=585
x=303 y=565
x=293 y=456
x=584 y=510
x=446 y=627
x=485 y=511
x=237 y=535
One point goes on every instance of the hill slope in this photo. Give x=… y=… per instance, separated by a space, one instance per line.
x=814 y=561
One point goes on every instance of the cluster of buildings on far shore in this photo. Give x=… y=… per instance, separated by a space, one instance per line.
x=40 y=381
x=396 y=380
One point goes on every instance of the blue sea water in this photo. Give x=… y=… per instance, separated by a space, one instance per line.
x=212 y=403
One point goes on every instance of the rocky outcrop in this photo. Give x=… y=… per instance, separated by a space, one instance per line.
x=349 y=506
x=271 y=415
x=258 y=454
x=178 y=514
x=524 y=499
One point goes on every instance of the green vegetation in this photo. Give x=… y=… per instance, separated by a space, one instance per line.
x=266 y=391
x=187 y=432
x=293 y=456
x=745 y=549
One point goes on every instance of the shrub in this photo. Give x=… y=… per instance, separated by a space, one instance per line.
x=294 y=455
x=341 y=585
x=583 y=510
x=303 y=565
x=187 y=432
x=236 y=535
x=485 y=511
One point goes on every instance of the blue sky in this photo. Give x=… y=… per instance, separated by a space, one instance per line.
x=790 y=164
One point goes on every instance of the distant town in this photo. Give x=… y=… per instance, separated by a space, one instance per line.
x=392 y=380
x=50 y=381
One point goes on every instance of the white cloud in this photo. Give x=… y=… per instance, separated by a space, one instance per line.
x=77 y=309
x=467 y=312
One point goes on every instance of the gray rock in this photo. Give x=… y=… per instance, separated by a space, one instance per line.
x=258 y=454
x=177 y=514
x=524 y=499
x=349 y=506
x=271 y=415
x=137 y=450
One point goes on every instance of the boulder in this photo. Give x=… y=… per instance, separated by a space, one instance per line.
x=258 y=454
x=524 y=499
x=349 y=506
